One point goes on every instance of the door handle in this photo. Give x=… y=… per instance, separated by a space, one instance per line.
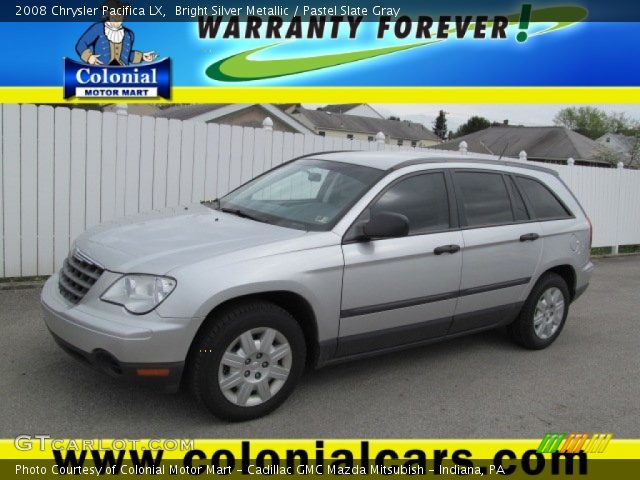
x=529 y=237
x=446 y=249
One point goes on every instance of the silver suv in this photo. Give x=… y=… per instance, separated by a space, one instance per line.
x=328 y=257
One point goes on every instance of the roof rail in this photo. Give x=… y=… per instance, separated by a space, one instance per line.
x=506 y=163
x=322 y=153
x=306 y=155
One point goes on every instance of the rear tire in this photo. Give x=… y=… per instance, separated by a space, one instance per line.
x=247 y=360
x=543 y=315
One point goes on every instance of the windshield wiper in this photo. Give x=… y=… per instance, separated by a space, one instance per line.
x=242 y=214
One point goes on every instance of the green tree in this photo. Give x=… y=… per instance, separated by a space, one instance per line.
x=619 y=122
x=474 y=124
x=593 y=122
x=440 y=125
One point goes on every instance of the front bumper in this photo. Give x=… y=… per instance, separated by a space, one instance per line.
x=145 y=348
x=166 y=376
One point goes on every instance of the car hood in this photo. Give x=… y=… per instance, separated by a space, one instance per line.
x=161 y=241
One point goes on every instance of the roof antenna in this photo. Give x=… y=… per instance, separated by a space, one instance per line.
x=486 y=148
x=503 y=150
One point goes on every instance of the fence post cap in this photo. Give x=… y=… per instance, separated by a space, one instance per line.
x=571 y=161
x=522 y=155
x=122 y=109
x=620 y=165
x=463 y=147
x=380 y=137
x=267 y=123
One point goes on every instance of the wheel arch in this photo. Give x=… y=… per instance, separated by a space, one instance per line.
x=568 y=274
x=294 y=303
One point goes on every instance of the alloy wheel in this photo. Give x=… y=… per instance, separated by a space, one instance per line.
x=254 y=367
x=549 y=312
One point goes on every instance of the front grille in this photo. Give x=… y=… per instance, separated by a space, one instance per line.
x=77 y=276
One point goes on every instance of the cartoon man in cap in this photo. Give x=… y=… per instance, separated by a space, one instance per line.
x=109 y=42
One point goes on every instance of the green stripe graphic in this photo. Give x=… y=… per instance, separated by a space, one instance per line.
x=551 y=442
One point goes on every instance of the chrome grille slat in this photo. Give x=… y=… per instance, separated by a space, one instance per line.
x=77 y=276
x=75 y=263
x=67 y=285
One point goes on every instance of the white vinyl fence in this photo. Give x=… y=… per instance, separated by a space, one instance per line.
x=63 y=171
x=611 y=198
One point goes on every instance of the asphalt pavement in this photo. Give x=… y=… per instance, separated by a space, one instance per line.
x=477 y=386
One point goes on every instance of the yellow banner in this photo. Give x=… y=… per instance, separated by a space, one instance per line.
x=44 y=457
x=29 y=447
x=519 y=95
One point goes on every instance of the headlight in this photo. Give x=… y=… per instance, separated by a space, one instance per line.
x=139 y=294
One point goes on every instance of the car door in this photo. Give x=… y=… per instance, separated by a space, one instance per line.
x=402 y=290
x=502 y=248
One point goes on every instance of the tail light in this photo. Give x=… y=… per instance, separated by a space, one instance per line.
x=590 y=233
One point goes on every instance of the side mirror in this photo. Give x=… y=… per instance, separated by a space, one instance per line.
x=314 y=177
x=386 y=225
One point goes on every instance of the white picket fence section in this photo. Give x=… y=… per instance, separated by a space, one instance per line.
x=611 y=198
x=64 y=170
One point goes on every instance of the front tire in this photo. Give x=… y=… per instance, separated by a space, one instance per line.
x=247 y=360
x=543 y=315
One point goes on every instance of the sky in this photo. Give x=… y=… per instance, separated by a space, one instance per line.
x=457 y=114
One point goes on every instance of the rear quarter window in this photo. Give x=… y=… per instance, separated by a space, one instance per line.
x=543 y=202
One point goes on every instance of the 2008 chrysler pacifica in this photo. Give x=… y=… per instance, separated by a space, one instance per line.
x=328 y=257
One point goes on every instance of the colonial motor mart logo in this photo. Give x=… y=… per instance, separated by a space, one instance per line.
x=110 y=66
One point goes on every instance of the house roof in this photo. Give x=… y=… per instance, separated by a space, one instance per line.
x=544 y=143
x=623 y=145
x=286 y=106
x=402 y=129
x=340 y=107
x=187 y=112
x=626 y=143
x=212 y=111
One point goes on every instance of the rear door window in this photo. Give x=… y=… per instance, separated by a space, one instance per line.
x=484 y=197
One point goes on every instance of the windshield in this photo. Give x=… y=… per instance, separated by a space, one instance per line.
x=305 y=194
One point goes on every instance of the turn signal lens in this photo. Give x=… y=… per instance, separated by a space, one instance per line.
x=152 y=372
